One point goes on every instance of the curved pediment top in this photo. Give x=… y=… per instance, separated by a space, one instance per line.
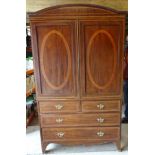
x=76 y=9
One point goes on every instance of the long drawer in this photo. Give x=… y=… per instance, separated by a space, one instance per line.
x=107 y=119
x=99 y=106
x=104 y=133
x=58 y=106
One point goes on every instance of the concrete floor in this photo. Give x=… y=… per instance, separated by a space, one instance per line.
x=33 y=145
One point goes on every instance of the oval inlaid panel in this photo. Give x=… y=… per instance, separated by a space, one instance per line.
x=55 y=59
x=101 y=55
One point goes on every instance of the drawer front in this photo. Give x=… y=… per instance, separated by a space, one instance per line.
x=104 y=133
x=58 y=106
x=90 y=106
x=107 y=119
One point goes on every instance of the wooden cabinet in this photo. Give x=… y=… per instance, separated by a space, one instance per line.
x=78 y=56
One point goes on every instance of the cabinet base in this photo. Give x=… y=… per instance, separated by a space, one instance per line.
x=73 y=143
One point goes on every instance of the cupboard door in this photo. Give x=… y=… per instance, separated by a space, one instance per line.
x=101 y=58
x=57 y=59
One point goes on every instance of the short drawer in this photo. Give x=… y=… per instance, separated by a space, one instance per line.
x=58 y=106
x=104 y=133
x=107 y=119
x=90 y=106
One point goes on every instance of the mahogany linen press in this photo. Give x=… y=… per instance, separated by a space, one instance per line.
x=78 y=66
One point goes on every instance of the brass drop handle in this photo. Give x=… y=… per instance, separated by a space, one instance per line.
x=100 y=120
x=100 y=106
x=59 y=120
x=100 y=134
x=59 y=106
x=60 y=134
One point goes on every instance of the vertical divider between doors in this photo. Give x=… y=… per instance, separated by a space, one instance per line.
x=78 y=62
